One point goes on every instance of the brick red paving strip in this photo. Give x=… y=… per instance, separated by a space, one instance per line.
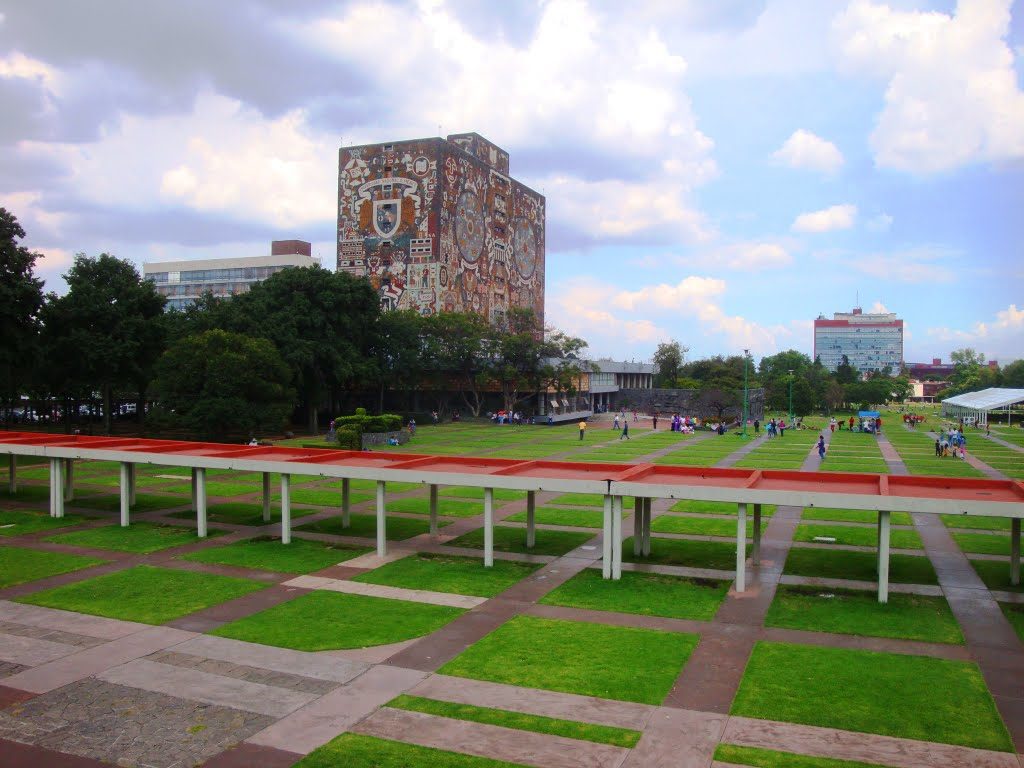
x=246 y=605
x=16 y=755
x=9 y=696
x=253 y=756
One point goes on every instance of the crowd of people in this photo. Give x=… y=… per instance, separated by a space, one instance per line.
x=952 y=443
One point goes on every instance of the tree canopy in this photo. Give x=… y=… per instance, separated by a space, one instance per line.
x=21 y=298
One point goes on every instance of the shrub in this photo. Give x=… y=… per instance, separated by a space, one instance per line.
x=387 y=422
x=360 y=411
x=349 y=437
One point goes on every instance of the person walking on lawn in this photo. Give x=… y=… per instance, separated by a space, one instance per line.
x=821 y=447
x=583 y=428
x=625 y=431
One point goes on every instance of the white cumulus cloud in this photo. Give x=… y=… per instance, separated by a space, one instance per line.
x=806 y=150
x=827 y=219
x=1000 y=338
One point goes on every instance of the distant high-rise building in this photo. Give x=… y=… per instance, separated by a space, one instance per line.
x=870 y=341
x=439 y=225
x=182 y=282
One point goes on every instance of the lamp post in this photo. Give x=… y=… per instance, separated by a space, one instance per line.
x=791 y=396
x=746 y=357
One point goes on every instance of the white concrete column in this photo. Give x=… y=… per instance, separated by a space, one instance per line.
x=606 y=539
x=638 y=525
x=756 y=551
x=433 y=510
x=131 y=484
x=69 y=479
x=645 y=548
x=617 y=538
x=266 y=497
x=883 y=557
x=200 y=492
x=126 y=497
x=741 y=547
x=56 y=488
x=195 y=483
x=286 y=508
x=531 y=519
x=488 y=527
x=382 y=523
x=12 y=474
x=1015 y=551
x=346 y=502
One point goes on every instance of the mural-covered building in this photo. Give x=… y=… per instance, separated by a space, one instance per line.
x=438 y=225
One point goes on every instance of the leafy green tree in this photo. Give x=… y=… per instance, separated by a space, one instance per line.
x=969 y=373
x=402 y=354
x=219 y=383
x=774 y=375
x=21 y=298
x=1013 y=374
x=668 y=360
x=846 y=373
x=104 y=333
x=460 y=346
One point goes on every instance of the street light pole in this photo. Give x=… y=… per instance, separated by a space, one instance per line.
x=791 y=397
x=746 y=357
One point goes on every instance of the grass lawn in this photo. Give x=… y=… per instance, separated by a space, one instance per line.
x=647 y=594
x=323 y=621
x=467 y=492
x=854 y=515
x=983 y=543
x=856 y=535
x=577 y=518
x=144 y=502
x=354 y=751
x=622 y=663
x=572 y=729
x=241 y=513
x=1015 y=615
x=144 y=593
x=977 y=522
x=508 y=539
x=910 y=697
x=588 y=500
x=445 y=573
x=720 y=555
x=841 y=564
x=19 y=565
x=996 y=574
x=321 y=498
x=365 y=526
x=138 y=537
x=269 y=554
x=445 y=507
x=703 y=526
x=371 y=485
x=28 y=493
x=770 y=758
x=718 y=508
x=18 y=522
x=855 y=612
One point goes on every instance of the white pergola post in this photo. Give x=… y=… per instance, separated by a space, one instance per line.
x=617 y=538
x=606 y=543
x=12 y=474
x=126 y=497
x=1015 y=551
x=488 y=527
x=346 y=503
x=433 y=511
x=638 y=526
x=266 y=497
x=286 y=508
x=741 y=547
x=756 y=551
x=200 y=493
x=69 y=479
x=131 y=484
x=883 y=557
x=195 y=485
x=645 y=548
x=531 y=519
x=56 y=488
x=382 y=523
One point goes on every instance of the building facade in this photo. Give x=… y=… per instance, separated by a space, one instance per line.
x=183 y=282
x=870 y=341
x=438 y=225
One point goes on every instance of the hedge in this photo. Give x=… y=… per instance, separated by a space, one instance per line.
x=386 y=422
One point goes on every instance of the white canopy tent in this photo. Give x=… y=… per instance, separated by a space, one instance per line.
x=979 y=404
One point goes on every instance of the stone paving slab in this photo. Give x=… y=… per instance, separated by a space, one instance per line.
x=206 y=687
x=448 y=599
x=76 y=623
x=32 y=651
x=371 y=560
x=53 y=635
x=317 y=723
x=617 y=619
x=712 y=674
x=567 y=706
x=677 y=738
x=677 y=570
x=516 y=746
x=283 y=660
x=245 y=672
x=91 y=661
x=865 y=747
x=374 y=654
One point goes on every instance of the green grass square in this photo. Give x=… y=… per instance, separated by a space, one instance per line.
x=588 y=500
x=983 y=543
x=909 y=697
x=467 y=492
x=996 y=575
x=144 y=502
x=646 y=594
x=18 y=522
x=269 y=554
x=18 y=565
x=624 y=663
x=445 y=507
x=830 y=563
x=856 y=535
x=719 y=555
x=242 y=513
x=770 y=758
x=322 y=621
x=354 y=751
x=508 y=539
x=576 y=518
x=977 y=522
x=321 y=498
x=145 y=594
x=1015 y=615
x=446 y=573
x=365 y=526
x=855 y=612
x=853 y=516
x=138 y=537
x=699 y=526
x=718 y=508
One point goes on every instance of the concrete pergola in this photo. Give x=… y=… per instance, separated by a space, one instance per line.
x=748 y=489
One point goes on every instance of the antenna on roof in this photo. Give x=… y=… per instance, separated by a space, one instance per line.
x=858 y=299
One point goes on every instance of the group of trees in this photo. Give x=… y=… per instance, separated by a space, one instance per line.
x=303 y=342
x=971 y=373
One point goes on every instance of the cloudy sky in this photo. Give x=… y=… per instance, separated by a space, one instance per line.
x=716 y=172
